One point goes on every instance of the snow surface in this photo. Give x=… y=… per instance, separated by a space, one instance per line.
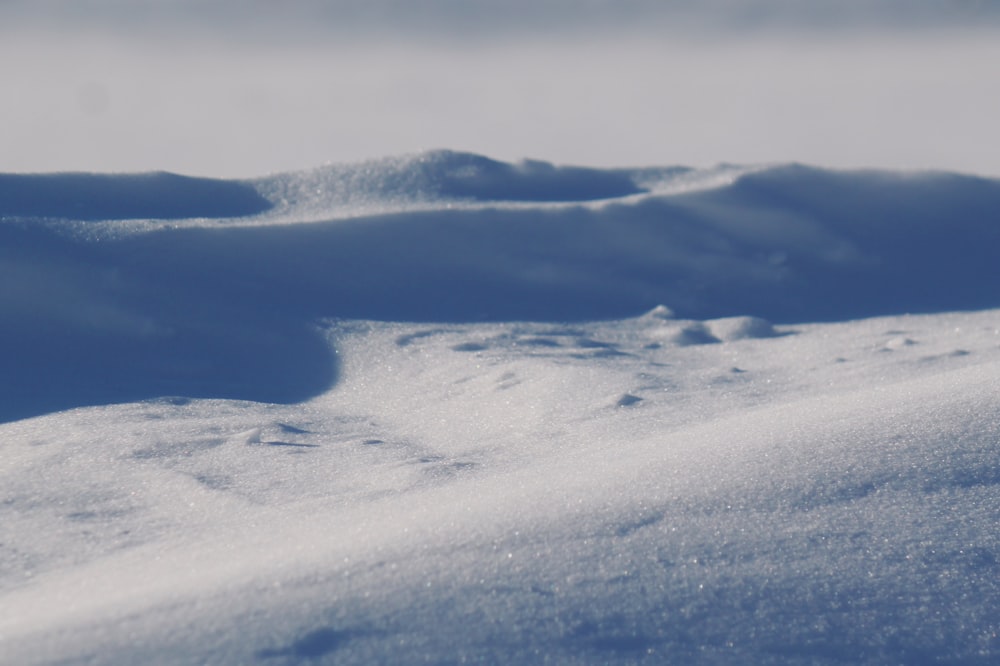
x=444 y=409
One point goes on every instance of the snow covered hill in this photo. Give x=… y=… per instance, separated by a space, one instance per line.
x=445 y=409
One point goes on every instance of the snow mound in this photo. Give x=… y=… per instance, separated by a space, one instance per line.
x=741 y=328
x=659 y=313
x=227 y=307
x=444 y=177
x=663 y=327
x=467 y=176
x=690 y=333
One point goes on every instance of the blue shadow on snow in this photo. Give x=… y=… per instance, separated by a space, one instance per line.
x=230 y=311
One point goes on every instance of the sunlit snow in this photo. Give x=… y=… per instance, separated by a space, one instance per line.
x=446 y=409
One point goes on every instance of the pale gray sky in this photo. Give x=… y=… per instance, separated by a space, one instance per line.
x=231 y=88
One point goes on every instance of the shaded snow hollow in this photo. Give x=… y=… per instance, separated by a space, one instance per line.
x=429 y=410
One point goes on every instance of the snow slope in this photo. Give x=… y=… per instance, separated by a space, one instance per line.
x=430 y=410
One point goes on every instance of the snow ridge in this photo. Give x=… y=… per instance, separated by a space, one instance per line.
x=442 y=409
x=227 y=307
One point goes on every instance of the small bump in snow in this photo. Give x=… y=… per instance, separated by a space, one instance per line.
x=692 y=333
x=248 y=437
x=742 y=328
x=899 y=343
x=628 y=400
x=659 y=312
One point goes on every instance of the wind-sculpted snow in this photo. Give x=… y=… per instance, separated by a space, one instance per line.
x=482 y=179
x=441 y=409
x=443 y=178
x=226 y=308
x=525 y=493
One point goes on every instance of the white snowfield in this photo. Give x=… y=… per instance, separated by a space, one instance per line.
x=442 y=409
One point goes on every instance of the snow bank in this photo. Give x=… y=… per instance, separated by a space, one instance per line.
x=226 y=307
x=441 y=409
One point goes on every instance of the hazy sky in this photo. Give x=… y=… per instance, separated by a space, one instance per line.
x=243 y=88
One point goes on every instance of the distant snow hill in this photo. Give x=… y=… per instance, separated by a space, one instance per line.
x=120 y=287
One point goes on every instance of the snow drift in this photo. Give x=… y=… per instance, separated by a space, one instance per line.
x=431 y=410
x=228 y=308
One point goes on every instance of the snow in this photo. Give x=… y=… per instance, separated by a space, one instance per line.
x=442 y=408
